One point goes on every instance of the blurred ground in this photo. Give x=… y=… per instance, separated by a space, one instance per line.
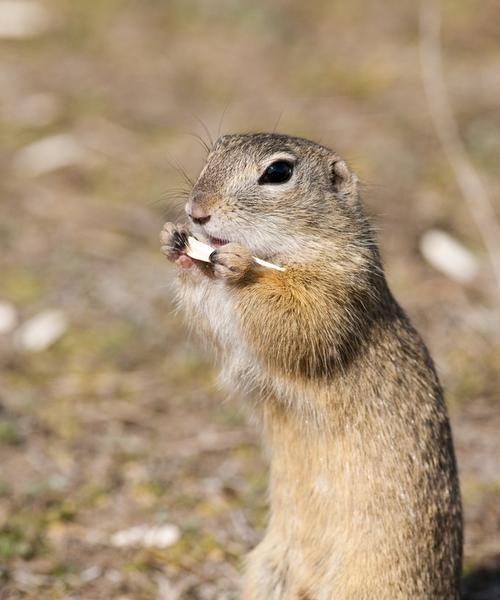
x=119 y=424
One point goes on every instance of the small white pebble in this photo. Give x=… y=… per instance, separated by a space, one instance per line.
x=146 y=536
x=22 y=18
x=40 y=332
x=90 y=574
x=113 y=576
x=8 y=317
x=449 y=256
x=50 y=154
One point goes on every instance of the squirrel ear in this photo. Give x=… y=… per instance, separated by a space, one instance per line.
x=341 y=176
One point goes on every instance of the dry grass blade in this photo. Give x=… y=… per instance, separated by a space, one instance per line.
x=468 y=178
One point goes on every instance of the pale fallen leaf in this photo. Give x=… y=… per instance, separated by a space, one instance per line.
x=50 y=154
x=147 y=536
x=8 y=317
x=40 y=332
x=22 y=18
x=449 y=256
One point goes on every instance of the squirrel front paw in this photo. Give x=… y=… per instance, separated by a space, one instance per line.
x=174 y=239
x=231 y=262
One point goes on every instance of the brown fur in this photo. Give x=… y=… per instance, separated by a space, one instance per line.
x=364 y=491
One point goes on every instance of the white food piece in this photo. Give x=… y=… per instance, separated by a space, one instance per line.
x=268 y=265
x=200 y=251
x=448 y=255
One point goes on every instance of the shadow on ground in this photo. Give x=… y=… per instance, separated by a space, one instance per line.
x=482 y=583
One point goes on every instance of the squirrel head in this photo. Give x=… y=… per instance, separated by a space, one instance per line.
x=276 y=194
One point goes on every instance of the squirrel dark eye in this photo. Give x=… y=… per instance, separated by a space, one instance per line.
x=277 y=172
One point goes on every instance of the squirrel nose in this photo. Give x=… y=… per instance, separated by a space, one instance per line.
x=200 y=221
x=197 y=214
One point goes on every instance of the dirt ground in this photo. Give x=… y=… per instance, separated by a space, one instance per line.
x=119 y=422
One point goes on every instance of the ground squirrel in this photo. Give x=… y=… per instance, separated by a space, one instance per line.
x=365 y=502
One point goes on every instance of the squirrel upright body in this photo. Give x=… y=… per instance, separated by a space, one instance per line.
x=365 y=502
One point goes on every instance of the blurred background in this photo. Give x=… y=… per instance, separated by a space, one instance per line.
x=124 y=472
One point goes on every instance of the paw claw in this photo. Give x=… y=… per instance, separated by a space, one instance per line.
x=231 y=262
x=173 y=239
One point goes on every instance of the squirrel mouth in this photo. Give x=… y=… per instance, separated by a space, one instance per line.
x=217 y=242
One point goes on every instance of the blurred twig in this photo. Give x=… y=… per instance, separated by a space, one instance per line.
x=468 y=178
